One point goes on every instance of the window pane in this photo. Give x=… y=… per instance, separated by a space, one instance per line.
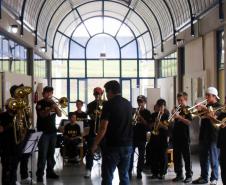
x=147 y=68
x=126 y=89
x=59 y=64
x=73 y=90
x=111 y=68
x=94 y=68
x=76 y=68
x=129 y=68
x=82 y=90
x=60 y=87
x=129 y=51
x=76 y=51
x=102 y=45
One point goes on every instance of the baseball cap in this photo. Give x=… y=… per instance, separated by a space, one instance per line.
x=98 y=90
x=141 y=98
x=213 y=91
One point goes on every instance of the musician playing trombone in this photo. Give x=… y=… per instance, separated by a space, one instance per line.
x=141 y=124
x=209 y=152
x=158 y=141
x=181 y=139
x=47 y=110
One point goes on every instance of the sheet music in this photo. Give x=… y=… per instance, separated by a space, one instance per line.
x=32 y=142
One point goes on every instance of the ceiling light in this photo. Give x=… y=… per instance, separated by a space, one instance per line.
x=14 y=28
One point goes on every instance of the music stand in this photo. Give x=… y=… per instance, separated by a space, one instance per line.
x=31 y=147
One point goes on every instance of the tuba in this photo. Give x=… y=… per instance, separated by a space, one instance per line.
x=22 y=118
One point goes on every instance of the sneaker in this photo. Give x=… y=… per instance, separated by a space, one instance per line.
x=139 y=175
x=200 y=180
x=52 y=175
x=187 y=180
x=27 y=181
x=213 y=182
x=87 y=174
x=178 y=178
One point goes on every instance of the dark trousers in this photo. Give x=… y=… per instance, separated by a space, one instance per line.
x=46 y=152
x=223 y=165
x=89 y=155
x=116 y=157
x=24 y=166
x=9 y=168
x=71 y=147
x=148 y=155
x=141 y=152
x=182 y=151
x=209 y=154
x=158 y=160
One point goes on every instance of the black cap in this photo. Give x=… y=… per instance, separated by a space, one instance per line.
x=141 y=98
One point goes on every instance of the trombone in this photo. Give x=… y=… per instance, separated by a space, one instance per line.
x=178 y=109
x=61 y=103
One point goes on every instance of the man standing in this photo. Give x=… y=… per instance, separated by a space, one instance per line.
x=209 y=152
x=181 y=140
x=143 y=118
x=46 y=114
x=93 y=111
x=116 y=129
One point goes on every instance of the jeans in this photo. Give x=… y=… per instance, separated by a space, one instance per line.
x=223 y=165
x=116 y=157
x=24 y=166
x=179 y=151
x=46 y=152
x=209 y=154
x=140 y=162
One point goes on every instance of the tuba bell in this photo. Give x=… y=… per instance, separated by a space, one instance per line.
x=20 y=106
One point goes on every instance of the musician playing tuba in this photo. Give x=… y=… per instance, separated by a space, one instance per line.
x=47 y=110
x=181 y=140
x=142 y=119
x=158 y=144
x=14 y=123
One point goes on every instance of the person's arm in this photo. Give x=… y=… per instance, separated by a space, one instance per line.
x=101 y=133
x=182 y=119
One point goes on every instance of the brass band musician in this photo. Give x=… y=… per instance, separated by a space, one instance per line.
x=94 y=111
x=47 y=110
x=141 y=125
x=209 y=152
x=158 y=141
x=181 y=140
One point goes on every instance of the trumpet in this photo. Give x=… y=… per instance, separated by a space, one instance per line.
x=178 y=109
x=135 y=116
x=61 y=103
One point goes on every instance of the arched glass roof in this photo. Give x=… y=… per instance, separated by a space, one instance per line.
x=160 y=18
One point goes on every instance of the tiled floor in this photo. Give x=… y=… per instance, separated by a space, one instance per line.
x=73 y=174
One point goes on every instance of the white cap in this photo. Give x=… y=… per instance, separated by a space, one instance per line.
x=213 y=91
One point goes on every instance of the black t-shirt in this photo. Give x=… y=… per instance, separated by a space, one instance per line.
x=118 y=112
x=45 y=124
x=160 y=140
x=9 y=146
x=221 y=142
x=208 y=133
x=72 y=130
x=181 y=133
x=140 y=130
x=81 y=116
